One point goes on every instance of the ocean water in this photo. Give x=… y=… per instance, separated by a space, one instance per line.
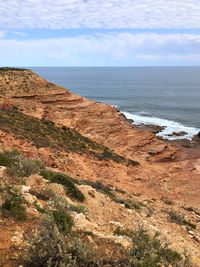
x=165 y=96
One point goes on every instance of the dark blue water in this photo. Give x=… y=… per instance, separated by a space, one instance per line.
x=171 y=93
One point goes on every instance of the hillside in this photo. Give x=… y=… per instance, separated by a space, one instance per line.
x=113 y=179
x=22 y=82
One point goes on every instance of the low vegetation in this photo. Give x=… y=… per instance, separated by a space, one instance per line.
x=48 y=248
x=39 y=208
x=5 y=69
x=54 y=243
x=78 y=208
x=130 y=203
x=12 y=203
x=19 y=165
x=123 y=232
x=133 y=162
x=44 y=133
x=150 y=251
x=63 y=220
x=180 y=219
x=107 y=190
x=99 y=186
x=8 y=158
x=65 y=180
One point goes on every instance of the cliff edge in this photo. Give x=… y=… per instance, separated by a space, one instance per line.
x=23 y=82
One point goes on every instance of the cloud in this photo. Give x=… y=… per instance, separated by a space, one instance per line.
x=63 y=14
x=2 y=34
x=103 y=49
x=18 y=33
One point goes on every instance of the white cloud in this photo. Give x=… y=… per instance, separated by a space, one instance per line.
x=19 y=33
x=62 y=14
x=103 y=49
x=2 y=34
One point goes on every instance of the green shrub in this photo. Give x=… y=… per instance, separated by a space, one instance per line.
x=59 y=212
x=39 y=208
x=133 y=162
x=180 y=219
x=66 y=181
x=8 y=158
x=58 y=202
x=129 y=203
x=122 y=232
x=78 y=208
x=132 y=204
x=176 y=217
x=47 y=174
x=48 y=248
x=24 y=167
x=18 y=165
x=99 y=186
x=107 y=190
x=150 y=251
x=82 y=252
x=108 y=154
x=13 y=204
x=44 y=194
x=63 y=220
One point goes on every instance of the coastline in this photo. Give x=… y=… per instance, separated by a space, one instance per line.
x=165 y=129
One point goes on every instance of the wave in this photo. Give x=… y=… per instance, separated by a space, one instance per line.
x=170 y=126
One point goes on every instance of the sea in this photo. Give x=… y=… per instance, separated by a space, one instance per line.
x=164 y=96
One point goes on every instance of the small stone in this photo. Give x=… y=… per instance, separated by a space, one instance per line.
x=30 y=198
x=191 y=232
x=25 y=189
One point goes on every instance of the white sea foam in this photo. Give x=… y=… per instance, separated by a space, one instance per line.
x=170 y=126
x=144 y=113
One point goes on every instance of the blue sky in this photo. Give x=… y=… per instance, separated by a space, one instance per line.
x=99 y=33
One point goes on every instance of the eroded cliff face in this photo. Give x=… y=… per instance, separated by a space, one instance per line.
x=165 y=171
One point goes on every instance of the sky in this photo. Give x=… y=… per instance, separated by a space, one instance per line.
x=99 y=33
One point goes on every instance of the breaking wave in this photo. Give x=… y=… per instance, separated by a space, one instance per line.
x=170 y=126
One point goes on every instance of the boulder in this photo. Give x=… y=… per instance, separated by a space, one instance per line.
x=152 y=128
x=181 y=133
x=36 y=181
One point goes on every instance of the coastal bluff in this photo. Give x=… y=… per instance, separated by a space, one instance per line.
x=127 y=175
x=22 y=82
x=36 y=97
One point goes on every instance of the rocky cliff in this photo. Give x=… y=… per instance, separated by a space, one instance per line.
x=147 y=181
